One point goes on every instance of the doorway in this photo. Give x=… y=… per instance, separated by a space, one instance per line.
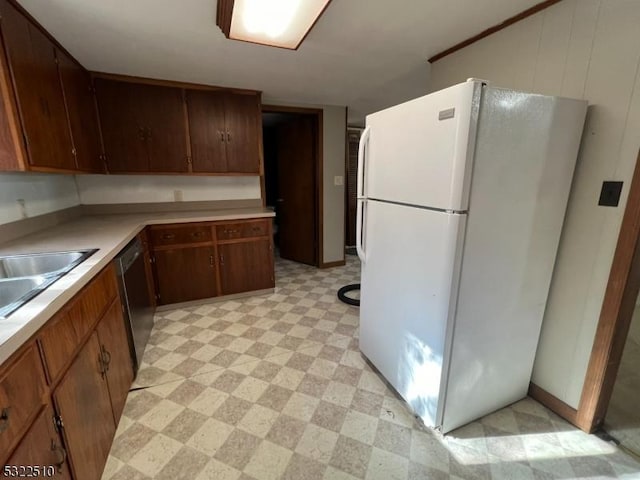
x=292 y=174
x=622 y=421
x=353 y=144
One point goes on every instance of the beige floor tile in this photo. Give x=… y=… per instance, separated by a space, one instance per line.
x=301 y=406
x=155 y=455
x=258 y=421
x=384 y=465
x=360 y=426
x=250 y=389
x=161 y=415
x=215 y=470
x=269 y=462
x=339 y=393
x=210 y=436
x=317 y=443
x=208 y=401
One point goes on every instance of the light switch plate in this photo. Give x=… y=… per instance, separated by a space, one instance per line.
x=338 y=180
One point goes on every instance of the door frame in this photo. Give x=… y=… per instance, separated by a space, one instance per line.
x=318 y=113
x=615 y=316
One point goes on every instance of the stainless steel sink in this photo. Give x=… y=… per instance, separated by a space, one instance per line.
x=13 y=289
x=22 y=277
x=38 y=264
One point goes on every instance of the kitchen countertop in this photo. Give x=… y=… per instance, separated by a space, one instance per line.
x=108 y=233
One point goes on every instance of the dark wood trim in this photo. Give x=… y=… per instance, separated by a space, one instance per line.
x=304 y=37
x=185 y=111
x=263 y=186
x=615 y=317
x=496 y=28
x=552 y=403
x=320 y=187
x=337 y=263
x=224 y=15
x=319 y=168
x=170 y=83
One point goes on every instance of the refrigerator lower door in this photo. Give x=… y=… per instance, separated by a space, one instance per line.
x=409 y=278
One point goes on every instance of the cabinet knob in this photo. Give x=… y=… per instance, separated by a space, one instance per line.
x=221 y=133
x=4 y=419
x=169 y=236
x=228 y=136
x=197 y=234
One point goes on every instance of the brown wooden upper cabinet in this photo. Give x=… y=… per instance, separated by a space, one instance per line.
x=38 y=91
x=47 y=101
x=143 y=127
x=224 y=131
x=83 y=118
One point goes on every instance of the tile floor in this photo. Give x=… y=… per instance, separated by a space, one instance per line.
x=274 y=387
x=623 y=415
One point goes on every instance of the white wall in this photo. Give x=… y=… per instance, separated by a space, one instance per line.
x=110 y=189
x=585 y=49
x=334 y=130
x=41 y=194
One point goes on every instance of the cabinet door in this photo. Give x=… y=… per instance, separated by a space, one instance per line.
x=41 y=449
x=83 y=117
x=123 y=126
x=82 y=399
x=243 y=123
x=167 y=128
x=116 y=357
x=38 y=90
x=207 y=130
x=184 y=274
x=246 y=266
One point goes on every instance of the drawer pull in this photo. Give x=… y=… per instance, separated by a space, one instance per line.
x=169 y=236
x=231 y=232
x=256 y=229
x=197 y=234
x=4 y=419
x=62 y=455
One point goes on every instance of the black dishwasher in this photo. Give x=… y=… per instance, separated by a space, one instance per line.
x=136 y=304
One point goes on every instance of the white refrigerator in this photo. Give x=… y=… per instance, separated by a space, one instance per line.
x=461 y=199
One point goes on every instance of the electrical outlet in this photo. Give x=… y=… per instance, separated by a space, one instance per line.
x=177 y=195
x=338 y=180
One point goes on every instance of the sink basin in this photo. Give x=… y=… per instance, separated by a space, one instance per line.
x=14 y=289
x=37 y=264
x=22 y=277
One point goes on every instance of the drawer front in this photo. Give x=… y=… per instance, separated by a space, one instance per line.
x=22 y=388
x=180 y=235
x=229 y=231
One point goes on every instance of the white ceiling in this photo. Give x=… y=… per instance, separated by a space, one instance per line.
x=367 y=54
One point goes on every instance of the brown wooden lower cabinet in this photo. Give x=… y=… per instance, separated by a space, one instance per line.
x=207 y=259
x=184 y=274
x=41 y=453
x=82 y=399
x=116 y=358
x=245 y=266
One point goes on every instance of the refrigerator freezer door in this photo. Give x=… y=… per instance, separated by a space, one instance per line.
x=420 y=152
x=407 y=283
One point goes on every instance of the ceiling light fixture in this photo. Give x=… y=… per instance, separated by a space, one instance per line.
x=277 y=23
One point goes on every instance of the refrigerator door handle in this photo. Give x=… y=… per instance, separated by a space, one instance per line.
x=360 y=218
x=364 y=138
